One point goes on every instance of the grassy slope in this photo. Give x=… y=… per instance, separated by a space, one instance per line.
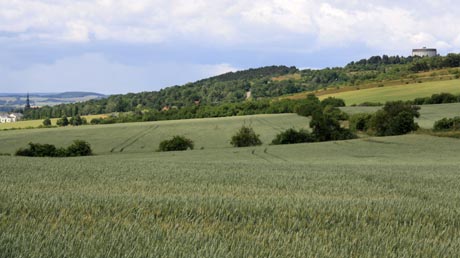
x=145 y=137
x=207 y=133
x=375 y=197
x=400 y=92
x=428 y=113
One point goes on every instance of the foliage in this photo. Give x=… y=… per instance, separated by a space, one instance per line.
x=292 y=136
x=245 y=137
x=78 y=148
x=360 y=122
x=441 y=98
x=309 y=106
x=41 y=150
x=63 y=121
x=334 y=102
x=325 y=119
x=395 y=118
x=47 y=122
x=77 y=120
x=326 y=125
x=447 y=124
x=177 y=143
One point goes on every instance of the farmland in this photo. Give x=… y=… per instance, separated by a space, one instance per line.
x=207 y=133
x=370 y=197
x=398 y=92
x=393 y=196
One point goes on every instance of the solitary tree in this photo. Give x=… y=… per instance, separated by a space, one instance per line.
x=245 y=137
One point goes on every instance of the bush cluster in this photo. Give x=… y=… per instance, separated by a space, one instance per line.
x=75 y=121
x=292 y=136
x=447 y=124
x=177 y=143
x=77 y=148
x=245 y=137
x=395 y=118
x=442 y=98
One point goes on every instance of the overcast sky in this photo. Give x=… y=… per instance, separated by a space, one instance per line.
x=111 y=46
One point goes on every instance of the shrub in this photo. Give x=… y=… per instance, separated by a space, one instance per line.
x=396 y=118
x=47 y=122
x=177 y=143
x=309 y=106
x=79 y=148
x=360 y=122
x=331 y=101
x=77 y=120
x=245 y=137
x=326 y=125
x=40 y=150
x=62 y=121
x=447 y=124
x=291 y=136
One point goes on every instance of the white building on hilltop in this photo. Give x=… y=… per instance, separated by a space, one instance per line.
x=430 y=52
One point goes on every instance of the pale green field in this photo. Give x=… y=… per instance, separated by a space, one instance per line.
x=36 y=123
x=400 y=92
x=145 y=137
x=429 y=114
x=374 y=197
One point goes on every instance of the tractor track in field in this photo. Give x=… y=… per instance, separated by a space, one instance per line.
x=133 y=139
x=270 y=124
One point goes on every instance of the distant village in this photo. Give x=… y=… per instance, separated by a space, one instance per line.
x=10 y=118
x=14 y=117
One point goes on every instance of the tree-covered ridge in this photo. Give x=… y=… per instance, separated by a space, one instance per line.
x=260 y=83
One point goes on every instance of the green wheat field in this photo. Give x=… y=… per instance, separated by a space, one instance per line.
x=370 y=197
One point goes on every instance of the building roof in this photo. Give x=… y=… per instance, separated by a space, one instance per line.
x=424 y=49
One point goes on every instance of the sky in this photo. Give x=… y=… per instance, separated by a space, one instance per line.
x=111 y=46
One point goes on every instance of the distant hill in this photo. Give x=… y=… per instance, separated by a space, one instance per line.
x=272 y=82
x=12 y=101
x=74 y=94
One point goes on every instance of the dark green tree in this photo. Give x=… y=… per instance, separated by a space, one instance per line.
x=395 y=118
x=79 y=148
x=245 y=137
x=62 y=121
x=177 y=143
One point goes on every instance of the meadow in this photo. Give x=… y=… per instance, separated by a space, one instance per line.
x=397 y=92
x=370 y=197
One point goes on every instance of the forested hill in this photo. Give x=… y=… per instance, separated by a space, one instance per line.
x=260 y=83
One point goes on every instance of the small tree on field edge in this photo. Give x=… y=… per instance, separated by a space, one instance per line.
x=245 y=137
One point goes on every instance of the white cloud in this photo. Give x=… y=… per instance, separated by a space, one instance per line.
x=378 y=24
